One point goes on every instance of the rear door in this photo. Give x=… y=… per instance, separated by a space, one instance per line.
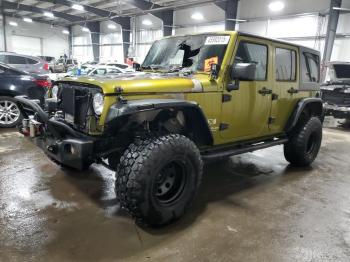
x=245 y=115
x=285 y=91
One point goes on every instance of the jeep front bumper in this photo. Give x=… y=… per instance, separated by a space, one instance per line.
x=337 y=111
x=58 y=140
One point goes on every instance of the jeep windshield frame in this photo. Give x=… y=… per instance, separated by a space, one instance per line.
x=193 y=53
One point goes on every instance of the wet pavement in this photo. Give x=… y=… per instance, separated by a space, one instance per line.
x=253 y=207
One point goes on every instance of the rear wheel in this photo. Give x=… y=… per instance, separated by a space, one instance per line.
x=10 y=115
x=304 y=143
x=158 y=177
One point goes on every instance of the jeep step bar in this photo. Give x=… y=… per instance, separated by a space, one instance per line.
x=241 y=149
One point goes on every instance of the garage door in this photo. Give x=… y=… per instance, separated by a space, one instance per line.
x=26 y=45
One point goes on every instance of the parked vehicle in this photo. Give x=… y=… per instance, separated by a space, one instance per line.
x=14 y=82
x=336 y=91
x=57 y=66
x=105 y=70
x=200 y=97
x=26 y=63
x=71 y=63
x=124 y=67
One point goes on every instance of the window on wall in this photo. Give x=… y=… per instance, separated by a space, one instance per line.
x=111 y=49
x=253 y=54
x=285 y=64
x=82 y=48
x=310 y=68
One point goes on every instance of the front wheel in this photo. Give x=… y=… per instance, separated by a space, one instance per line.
x=10 y=115
x=304 y=143
x=158 y=177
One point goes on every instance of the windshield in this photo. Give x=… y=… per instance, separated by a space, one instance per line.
x=342 y=70
x=195 y=53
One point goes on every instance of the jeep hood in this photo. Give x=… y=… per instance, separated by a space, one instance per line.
x=145 y=82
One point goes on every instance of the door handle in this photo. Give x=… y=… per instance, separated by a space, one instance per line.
x=265 y=91
x=292 y=90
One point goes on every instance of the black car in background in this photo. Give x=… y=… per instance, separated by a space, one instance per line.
x=14 y=82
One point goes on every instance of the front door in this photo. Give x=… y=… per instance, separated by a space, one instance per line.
x=246 y=111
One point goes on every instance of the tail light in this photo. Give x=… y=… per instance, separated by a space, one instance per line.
x=46 y=67
x=43 y=83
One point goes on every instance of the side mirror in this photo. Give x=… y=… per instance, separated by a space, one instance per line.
x=243 y=72
x=136 y=66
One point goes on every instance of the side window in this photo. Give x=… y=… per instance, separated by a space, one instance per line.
x=3 y=59
x=285 y=62
x=253 y=54
x=31 y=61
x=114 y=71
x=310 y=68
x=16 y=60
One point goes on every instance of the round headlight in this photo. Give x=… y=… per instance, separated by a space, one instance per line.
x=54 y=91
x=98 y=103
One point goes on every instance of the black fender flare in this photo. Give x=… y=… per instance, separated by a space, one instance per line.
x=313 y=102
x=123 y=110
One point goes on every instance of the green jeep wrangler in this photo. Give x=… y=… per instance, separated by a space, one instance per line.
x=195 y=98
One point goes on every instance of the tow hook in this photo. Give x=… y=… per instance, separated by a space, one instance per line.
x=52 y=149
x=31 y=127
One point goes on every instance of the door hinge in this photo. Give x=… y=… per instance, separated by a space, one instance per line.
x=223 y=126
x=274 y=96
x=226 y=98
x=271 y=120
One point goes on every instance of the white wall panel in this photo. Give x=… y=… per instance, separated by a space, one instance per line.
x=54 y=42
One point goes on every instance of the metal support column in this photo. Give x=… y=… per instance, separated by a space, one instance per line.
x=168 y=21
x=124 y=22
x=231 y=14
x=94 y=28
x=331 y=33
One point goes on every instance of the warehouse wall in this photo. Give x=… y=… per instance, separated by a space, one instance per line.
x=52 y=41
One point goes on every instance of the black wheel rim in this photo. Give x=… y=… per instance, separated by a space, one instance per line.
x=311 y=143
x=170 y=182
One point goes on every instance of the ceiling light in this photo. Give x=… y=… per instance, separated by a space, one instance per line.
x=85 y=29
x=147 y=22
x=197 y=16
x=27 y=19
x=112 y=26
x=65 y=31
x=49 y=14
x=276 y=6
x=78 y=7
x=13 y=23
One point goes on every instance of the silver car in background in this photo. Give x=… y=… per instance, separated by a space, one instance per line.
x=30 y=64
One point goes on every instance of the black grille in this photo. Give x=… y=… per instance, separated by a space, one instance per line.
x=75 y=104
x=336 y=97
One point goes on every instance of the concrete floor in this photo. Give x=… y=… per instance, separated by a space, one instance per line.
x=253 y=207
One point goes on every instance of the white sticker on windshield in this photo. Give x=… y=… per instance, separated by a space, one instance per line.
x=217 y=40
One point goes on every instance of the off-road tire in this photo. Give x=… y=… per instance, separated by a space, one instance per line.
x=19 y=120
x=142 y=167
x=304 y=142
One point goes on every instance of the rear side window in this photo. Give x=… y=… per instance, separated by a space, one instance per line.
x=3 y=59
x=310 y=68
x=285 y=61
x=16 y=60
x=254 y=54
x=31 y=61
